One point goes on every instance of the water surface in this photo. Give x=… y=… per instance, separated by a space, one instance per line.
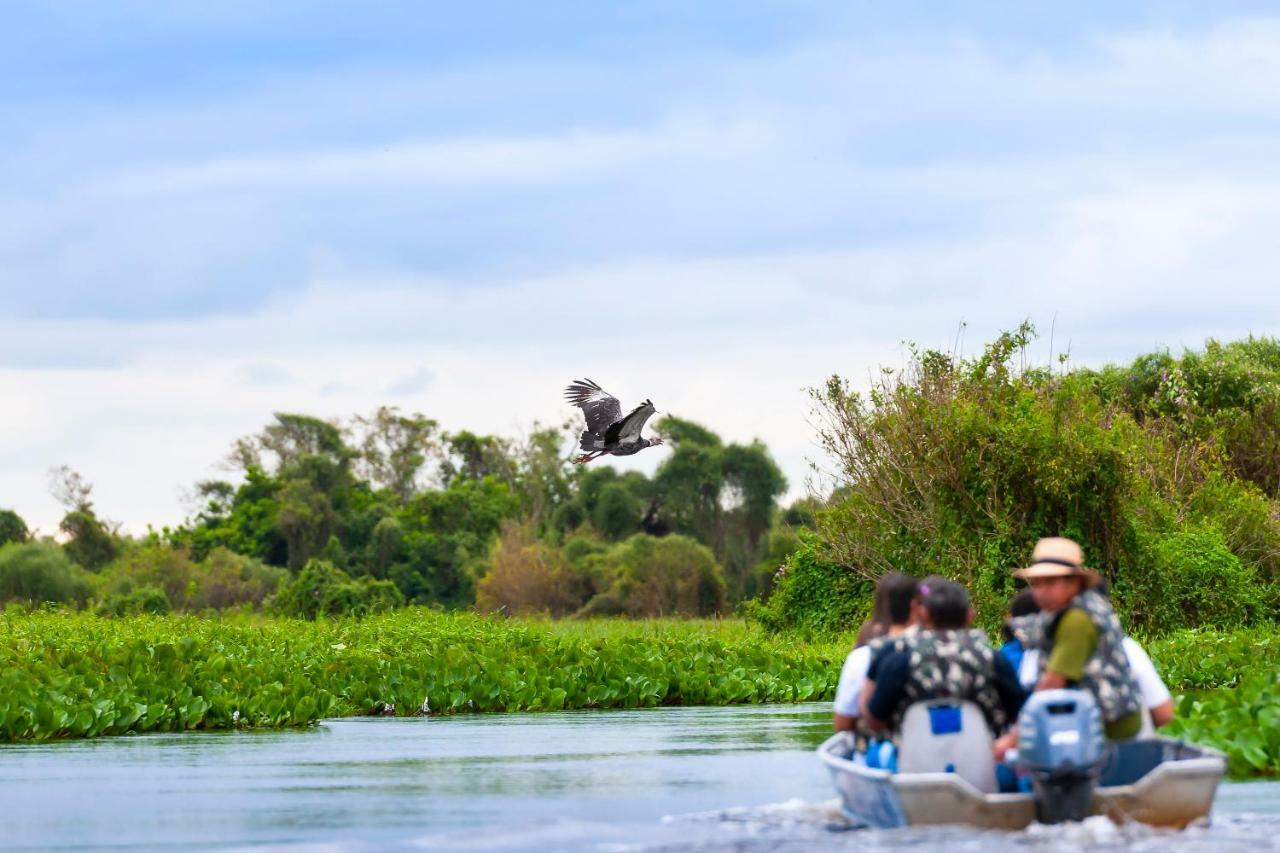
x=678 y=779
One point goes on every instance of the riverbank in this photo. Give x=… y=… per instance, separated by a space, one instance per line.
x=68 y=675
x=72 y=675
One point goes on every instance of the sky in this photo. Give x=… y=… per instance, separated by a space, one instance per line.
x=210 y=212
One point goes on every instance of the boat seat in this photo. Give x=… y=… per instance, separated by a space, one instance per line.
x=948 y=735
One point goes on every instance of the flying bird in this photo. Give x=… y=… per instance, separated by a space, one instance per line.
x=608 y=432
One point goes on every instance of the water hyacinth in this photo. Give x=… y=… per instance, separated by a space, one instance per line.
x=78 y=675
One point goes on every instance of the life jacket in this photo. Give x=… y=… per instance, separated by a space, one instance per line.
x=957 y=664
x=864 y=735
x=1106 y=674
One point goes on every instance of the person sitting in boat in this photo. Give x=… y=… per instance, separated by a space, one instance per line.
x=1156 y=699
x=1079 y=638
x=944 y=659
x=1023 y=604
x=894 y=594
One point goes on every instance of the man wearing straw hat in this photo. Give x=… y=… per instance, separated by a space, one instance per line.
x=1079 y=637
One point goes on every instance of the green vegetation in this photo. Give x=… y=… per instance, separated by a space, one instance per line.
x=1165 y=471
x=388 y=510
x=80 y=675
x=1230 y=693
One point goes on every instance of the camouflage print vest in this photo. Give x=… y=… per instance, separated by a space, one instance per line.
x=1106 y=674
x=957 y=664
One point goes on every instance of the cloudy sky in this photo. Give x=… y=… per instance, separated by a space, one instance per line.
x=213 y=211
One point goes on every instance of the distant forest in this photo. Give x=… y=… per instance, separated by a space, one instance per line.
x=390 y=509
x=1167 y=470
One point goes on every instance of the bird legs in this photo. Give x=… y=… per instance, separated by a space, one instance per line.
x=587 y=457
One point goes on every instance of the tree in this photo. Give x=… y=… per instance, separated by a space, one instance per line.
x=395 y=448
x=12 y=528
x=725 y=496
x=307 y=520
x=474 y=457
x=89 y=541
x=617 y=512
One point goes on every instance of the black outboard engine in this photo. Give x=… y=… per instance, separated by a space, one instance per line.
x=1062 y=746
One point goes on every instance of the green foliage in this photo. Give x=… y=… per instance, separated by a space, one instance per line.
x=12 y=528
x=670 y=576
x=813 y=594
x=78 y=675
x=142 y=599
x=321 y=588
x=723 y=496
x=37 y=573
x=1191 y=578
x=1203 y=659
x=89 y=543
x=1230 y=693
x=223 y=579
x=1243 y=722
x=617 y=511
x=958 y=466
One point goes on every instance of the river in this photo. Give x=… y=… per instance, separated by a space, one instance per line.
x=673 y=779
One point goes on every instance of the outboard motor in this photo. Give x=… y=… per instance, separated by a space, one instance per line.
x=1061 y=744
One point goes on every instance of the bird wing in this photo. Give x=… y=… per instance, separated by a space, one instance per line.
x=601 y=408
x=628 y=429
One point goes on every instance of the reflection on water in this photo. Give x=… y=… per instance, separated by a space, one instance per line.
x=742 y=778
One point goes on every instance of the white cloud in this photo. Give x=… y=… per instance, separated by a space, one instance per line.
x=755 y=225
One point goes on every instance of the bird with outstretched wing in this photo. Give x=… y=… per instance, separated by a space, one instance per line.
x=608 y=432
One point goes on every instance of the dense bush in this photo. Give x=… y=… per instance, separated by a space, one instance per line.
x=526 y=575
x=814 y=594
x=957 y=466
x=223 y=579
x=670 y=576
x=321 y=588
x=37 y=573
x=141 y=599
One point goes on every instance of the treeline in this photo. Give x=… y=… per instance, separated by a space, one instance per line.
x=1167 y=470
x=380 y=511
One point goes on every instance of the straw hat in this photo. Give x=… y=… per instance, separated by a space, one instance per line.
x=1057 y=557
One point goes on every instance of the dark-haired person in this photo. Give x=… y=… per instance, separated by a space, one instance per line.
x=1079 y=638
x=1023 y=604
x=894 y=594
x=944 y=659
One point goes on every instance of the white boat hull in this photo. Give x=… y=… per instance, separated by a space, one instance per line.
x=1174 y=786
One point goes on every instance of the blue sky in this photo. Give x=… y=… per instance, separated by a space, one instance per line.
x=209 y=212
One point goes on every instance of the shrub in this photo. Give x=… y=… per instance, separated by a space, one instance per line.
x=38 y=573
x=812 y=593
x=226 y=579
x=171 y=570
x=1191 y=579
x=321 y=588
x=957 y=466
x=525 y=575
x=668 y=576
x=143 y=599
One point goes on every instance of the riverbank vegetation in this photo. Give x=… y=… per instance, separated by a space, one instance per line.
x=1165 y=469
x=66 y=674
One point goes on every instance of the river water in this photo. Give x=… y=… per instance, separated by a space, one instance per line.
x=672 y=779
